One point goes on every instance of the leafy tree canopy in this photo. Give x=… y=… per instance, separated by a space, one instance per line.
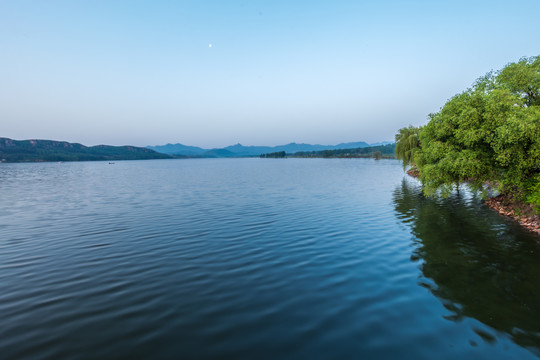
x=488 y=134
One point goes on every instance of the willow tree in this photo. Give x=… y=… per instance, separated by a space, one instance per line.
x=407 y=145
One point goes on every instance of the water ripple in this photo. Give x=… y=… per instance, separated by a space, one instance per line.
x=244 y=258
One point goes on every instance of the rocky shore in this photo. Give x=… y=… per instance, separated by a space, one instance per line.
x=520 y=212
x=413 y=172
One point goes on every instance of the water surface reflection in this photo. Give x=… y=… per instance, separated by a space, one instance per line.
x=475 y=265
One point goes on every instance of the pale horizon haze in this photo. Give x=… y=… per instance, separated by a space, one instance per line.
x=216 y=73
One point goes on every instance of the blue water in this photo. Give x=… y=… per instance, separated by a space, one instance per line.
x=257 y=258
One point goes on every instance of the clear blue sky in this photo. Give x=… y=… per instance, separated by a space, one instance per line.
x=144 y=73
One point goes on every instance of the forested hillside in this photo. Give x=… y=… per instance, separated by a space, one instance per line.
x=50 y=150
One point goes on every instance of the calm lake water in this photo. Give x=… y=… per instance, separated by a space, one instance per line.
x=257 y=258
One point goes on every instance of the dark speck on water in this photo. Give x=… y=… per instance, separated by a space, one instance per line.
x=257 y=258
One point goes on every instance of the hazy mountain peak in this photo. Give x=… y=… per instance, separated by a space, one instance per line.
x=252 y=150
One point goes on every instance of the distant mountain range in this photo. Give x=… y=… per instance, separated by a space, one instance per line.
x=239 y=150
x=50 y=150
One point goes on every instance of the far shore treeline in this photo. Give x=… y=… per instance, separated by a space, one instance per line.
x=488 y=136
x=377 y=152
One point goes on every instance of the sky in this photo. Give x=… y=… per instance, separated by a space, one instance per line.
x=216 y=73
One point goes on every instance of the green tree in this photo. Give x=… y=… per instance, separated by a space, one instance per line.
x=453 y=150
x=522 y=79
x=489 y=134
x=407 y=145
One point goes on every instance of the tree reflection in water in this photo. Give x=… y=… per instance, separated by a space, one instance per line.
x=477 y=263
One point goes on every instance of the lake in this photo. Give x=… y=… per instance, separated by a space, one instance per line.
x=257 y=258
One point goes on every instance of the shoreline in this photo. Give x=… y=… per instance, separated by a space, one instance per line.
x=519 y=212
x=523 y=214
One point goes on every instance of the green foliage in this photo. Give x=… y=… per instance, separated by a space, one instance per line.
x=407 y=145
x=487 y=134
x=522 y=79
x=533 y=196
x=278 y=154
x=377 y=152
